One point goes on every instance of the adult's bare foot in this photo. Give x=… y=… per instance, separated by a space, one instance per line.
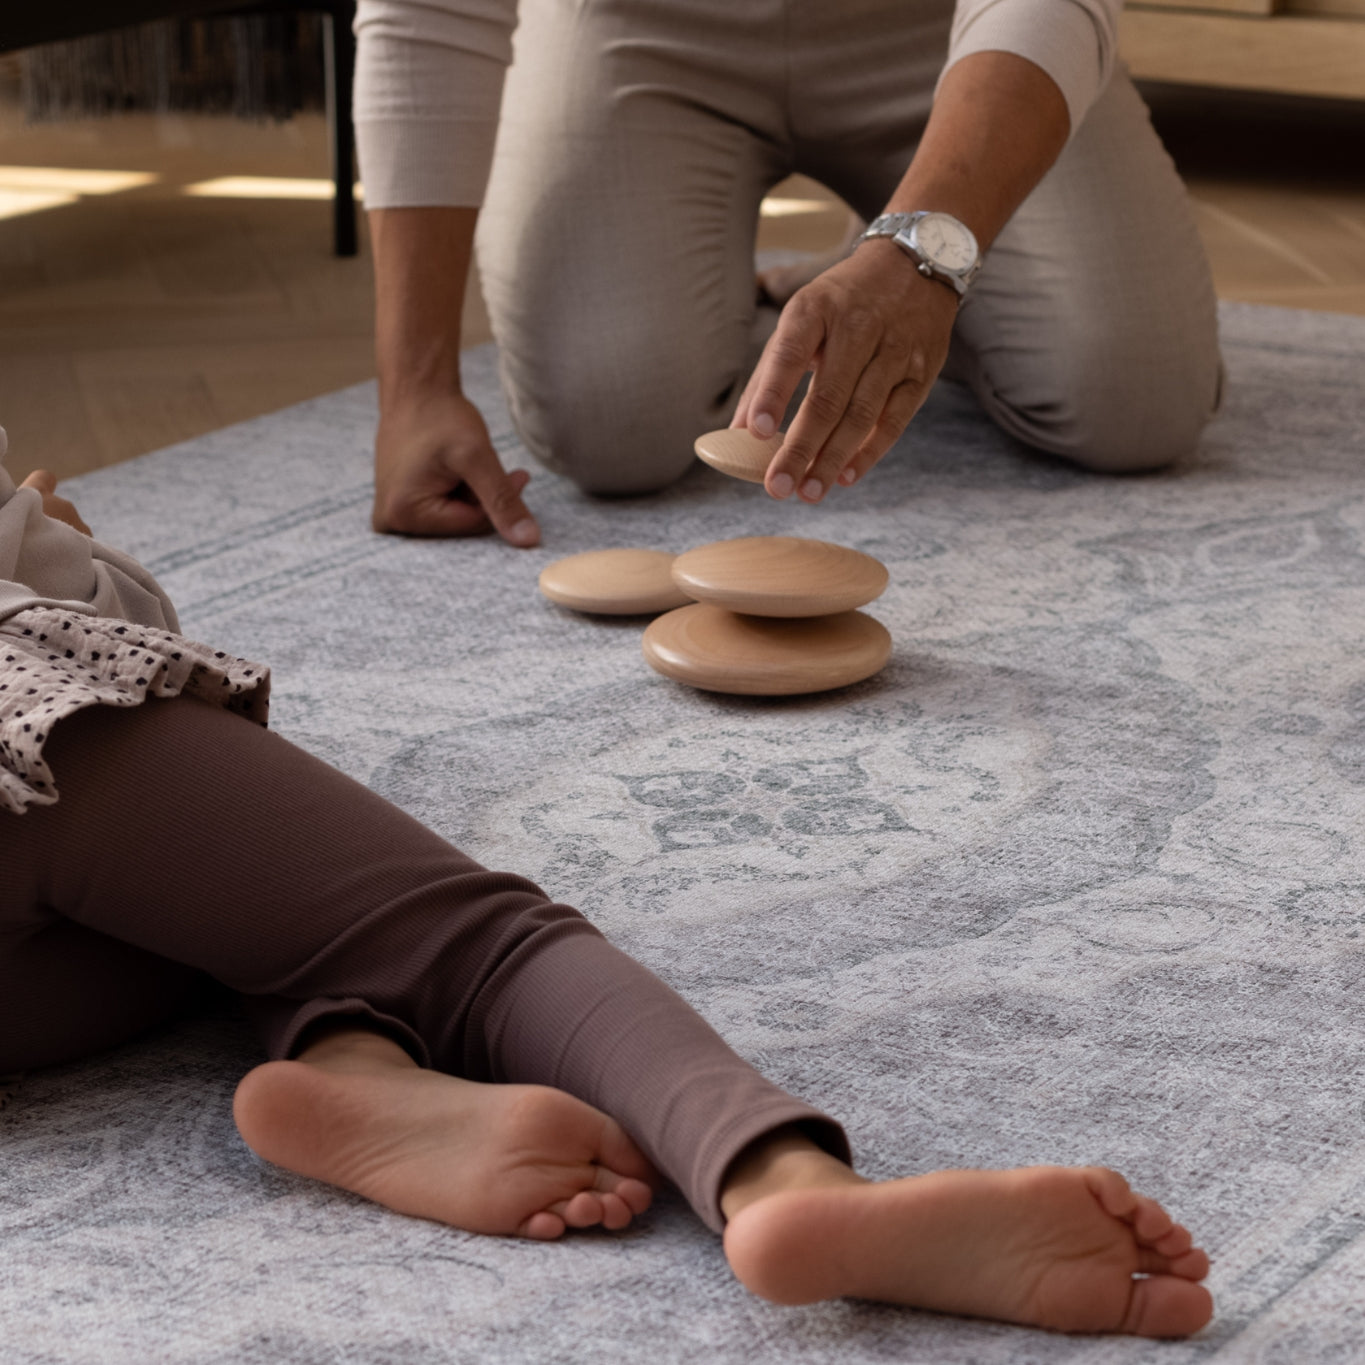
x=356 y=1111
x=1072 y=1249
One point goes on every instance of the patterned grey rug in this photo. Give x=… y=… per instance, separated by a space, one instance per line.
x=1077 y=879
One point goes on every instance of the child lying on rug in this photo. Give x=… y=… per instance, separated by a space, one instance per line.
x=445 y=1040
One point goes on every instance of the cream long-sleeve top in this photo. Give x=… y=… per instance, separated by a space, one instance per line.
x=46 y=563
x=82 y=625
x=429 y=79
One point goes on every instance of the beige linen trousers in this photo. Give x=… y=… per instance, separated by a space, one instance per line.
x=638 y=138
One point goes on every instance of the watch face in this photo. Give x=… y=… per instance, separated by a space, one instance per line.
x=946 y=242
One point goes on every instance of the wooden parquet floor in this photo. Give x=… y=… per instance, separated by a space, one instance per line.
x=134 y=314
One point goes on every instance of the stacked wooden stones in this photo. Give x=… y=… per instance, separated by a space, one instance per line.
x=764 y=615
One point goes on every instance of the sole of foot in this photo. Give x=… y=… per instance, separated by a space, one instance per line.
x=1069 y=1249
x=516 y=1160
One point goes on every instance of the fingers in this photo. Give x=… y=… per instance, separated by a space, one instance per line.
x=487 y=499
x=59 y=509
x=65 y=511
x=41 y=479
x=790 y=352
x=875 y=336
x=903 y=403
x=437 y=474
x=846 y=396
x=499 y=494
x=874 y=415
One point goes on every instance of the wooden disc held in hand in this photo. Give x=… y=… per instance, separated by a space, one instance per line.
x=780 y=576
x=756 y=656
x=738 y=453
x=614 y=582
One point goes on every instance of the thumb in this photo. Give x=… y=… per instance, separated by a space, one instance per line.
x=499 y=495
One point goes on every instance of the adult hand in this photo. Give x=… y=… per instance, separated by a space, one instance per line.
x=436 y=474
x=59 y=509
x=875 y=332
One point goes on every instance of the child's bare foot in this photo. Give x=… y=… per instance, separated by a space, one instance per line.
x=356 y=1111
x=1048 y=1246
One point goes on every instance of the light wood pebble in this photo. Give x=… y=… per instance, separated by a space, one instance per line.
x=614 y=582
x=780 y=576
x=738 y=453
x=719 y=651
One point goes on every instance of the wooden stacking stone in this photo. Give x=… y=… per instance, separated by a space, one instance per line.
x=780 y=576
x=774 y=616
x=614 y=582
x=721 y=651
x=738 y=452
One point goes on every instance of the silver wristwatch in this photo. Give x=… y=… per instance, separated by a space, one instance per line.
x=943 y=248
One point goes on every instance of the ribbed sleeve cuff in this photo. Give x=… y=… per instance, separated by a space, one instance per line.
x=423 y=163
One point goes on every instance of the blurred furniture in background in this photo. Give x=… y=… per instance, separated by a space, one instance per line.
x=1291 y=47
x=24 y=26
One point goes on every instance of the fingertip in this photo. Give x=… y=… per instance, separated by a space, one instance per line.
x=42 y=479
x=763 y=424
x=781 y=485
x=524 y=534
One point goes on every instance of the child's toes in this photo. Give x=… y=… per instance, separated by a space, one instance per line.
x=1174 y=1243
x=636 y=1194
x=1192 y=1265
x=616 y=1212
x=1151 y=1262
x=542 y=1227
x=1166 y=1307
x=584 y=1210
x=1112 y=1190
x=1150 y=1222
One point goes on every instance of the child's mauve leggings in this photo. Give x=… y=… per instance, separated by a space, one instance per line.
x=188 y=840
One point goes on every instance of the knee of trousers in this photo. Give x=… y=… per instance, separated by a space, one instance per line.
x=1113 y=407
x=618 y=412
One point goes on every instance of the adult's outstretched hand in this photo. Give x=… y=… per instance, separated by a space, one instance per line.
x=875 y=332
x=436 y=474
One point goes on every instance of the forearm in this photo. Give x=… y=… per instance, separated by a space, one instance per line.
x=436 y=472
x=421 y=258
x=997 y=125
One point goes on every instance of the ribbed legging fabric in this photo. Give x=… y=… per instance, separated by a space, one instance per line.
x=190 y=842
